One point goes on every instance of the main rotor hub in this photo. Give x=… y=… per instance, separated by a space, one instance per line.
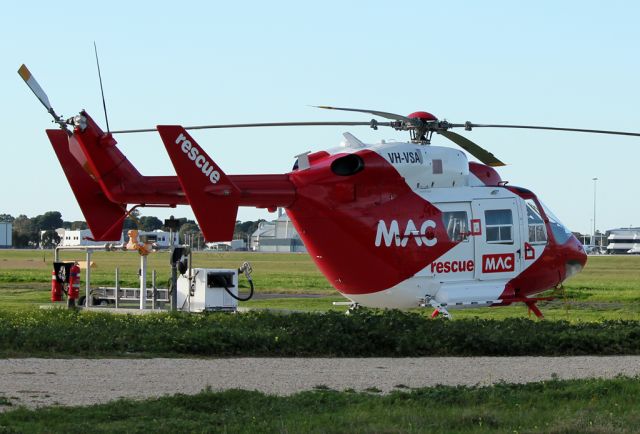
x=421 y=133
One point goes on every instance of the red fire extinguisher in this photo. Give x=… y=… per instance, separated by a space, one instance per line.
x=56 y=288
x=74 y=282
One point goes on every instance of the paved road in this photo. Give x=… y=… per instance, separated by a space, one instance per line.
x=41 y=382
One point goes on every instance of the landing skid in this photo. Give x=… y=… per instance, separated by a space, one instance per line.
x=439 y=309
x=353 y=306
x=533 y=308
x=530 y=302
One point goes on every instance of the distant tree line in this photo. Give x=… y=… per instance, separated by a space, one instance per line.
x=27 y=230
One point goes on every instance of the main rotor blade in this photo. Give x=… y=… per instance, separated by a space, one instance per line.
x=385 y=115
x=34 y=86
x=480 y=153
x=470 y=125
x=258 y=125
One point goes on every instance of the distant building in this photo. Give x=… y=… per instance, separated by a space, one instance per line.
x=6 y=230
x=277 y=236
x=221 y=246
x=238 y=245
x=623 y=240
x=81 y=238
x=593 y=244
x=158 y=237
x=265 y=231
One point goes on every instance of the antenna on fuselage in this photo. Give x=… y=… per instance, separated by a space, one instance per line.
x=104 y=104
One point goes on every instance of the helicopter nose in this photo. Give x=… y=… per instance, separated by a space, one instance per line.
x=576 y=258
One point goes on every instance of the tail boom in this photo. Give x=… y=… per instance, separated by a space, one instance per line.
x=264 y=191
x=104 y=182
x=213 y=195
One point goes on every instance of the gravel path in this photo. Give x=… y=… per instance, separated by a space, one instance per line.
x=42 y=382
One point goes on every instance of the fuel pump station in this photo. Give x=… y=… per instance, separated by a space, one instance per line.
x=190 y=289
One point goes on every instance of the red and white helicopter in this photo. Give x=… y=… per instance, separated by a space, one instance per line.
x=394 y=225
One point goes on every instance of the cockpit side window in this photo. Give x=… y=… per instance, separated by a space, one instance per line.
x=537 y=231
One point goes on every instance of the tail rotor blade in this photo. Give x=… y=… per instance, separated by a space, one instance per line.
x=41 y=95
x=34 y=86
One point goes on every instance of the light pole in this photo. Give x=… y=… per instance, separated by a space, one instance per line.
x=595 y=181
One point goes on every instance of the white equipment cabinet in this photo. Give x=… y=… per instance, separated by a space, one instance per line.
x=206 y=291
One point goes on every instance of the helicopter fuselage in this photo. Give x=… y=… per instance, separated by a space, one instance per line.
x=400 y=224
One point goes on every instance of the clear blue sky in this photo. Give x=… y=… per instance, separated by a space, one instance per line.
x=572 y=63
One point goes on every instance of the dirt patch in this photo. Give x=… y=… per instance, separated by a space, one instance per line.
x=24 y=264
x=44 y=382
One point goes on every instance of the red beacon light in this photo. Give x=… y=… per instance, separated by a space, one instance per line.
x=423 y=116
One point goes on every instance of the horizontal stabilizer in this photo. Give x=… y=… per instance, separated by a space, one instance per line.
x=211 y=194
x=105 y=218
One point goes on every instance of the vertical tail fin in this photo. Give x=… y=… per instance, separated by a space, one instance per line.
x=212 y=195
x=100 y=156
x=120 y=181
x=105 y=218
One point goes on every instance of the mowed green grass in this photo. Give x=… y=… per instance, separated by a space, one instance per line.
x=608 y=287
x=25 y=275
x=575 y=406
x=275 y=272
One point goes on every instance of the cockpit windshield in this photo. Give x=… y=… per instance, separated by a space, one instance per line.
x=560 y=231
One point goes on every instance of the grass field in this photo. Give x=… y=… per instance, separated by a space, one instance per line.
x=608 y=287
x=576 y=406
x=282 y=273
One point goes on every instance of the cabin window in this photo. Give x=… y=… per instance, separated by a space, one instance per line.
x=499 y=224
x=537 y=232
x=457 y=225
